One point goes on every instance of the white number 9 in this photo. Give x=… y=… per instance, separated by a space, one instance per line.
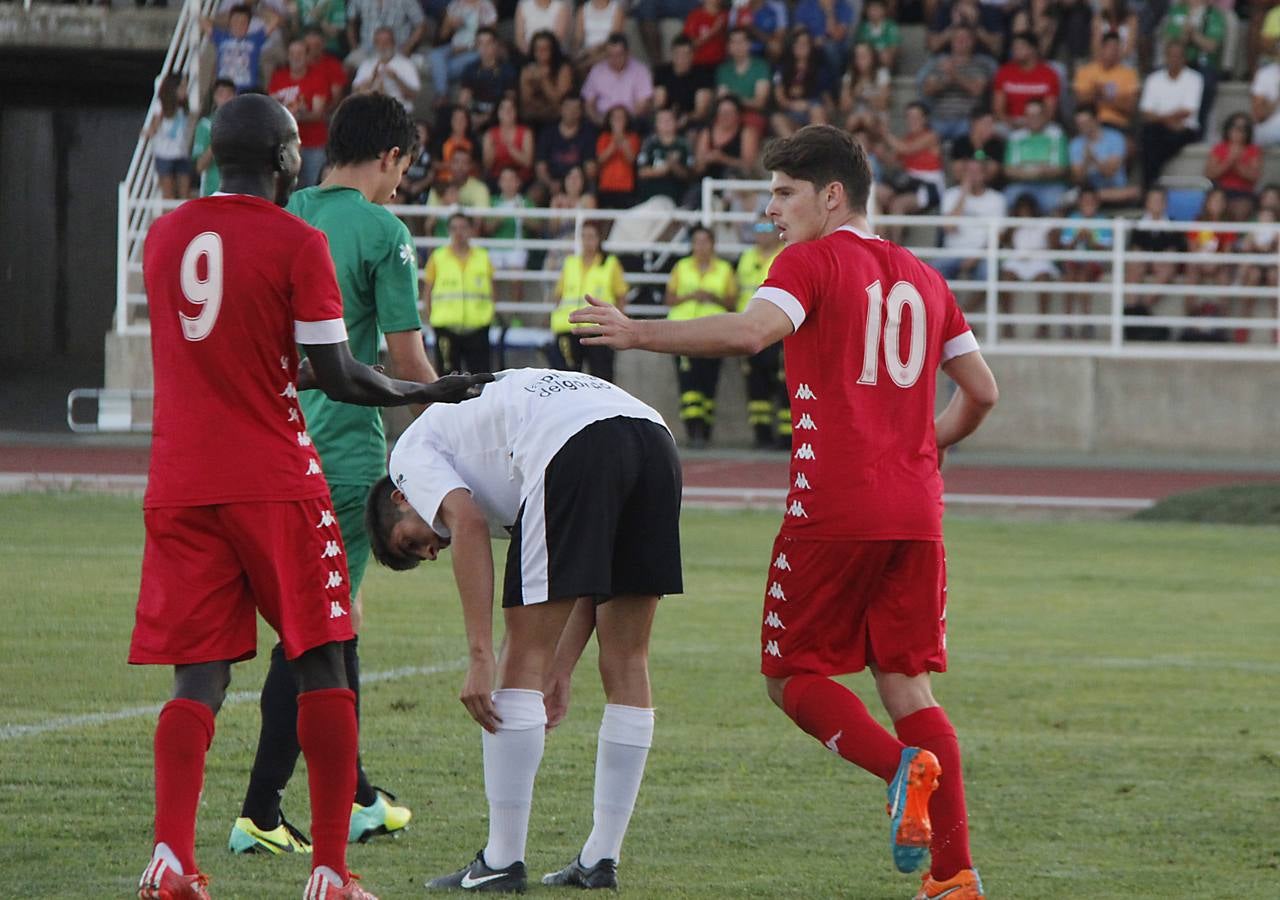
x=206 y=293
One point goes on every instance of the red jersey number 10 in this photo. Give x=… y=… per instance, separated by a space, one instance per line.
x=204 y=292
x=885 y=315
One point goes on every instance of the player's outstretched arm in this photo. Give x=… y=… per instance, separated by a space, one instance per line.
x=342 y=377
x=976 y=397
x=732 y=334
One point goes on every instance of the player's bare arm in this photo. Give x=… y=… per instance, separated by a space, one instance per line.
x=473 y=571
x=760 y=325
x=976 y=397
x=573 y=640
x=344 y=378
x=408 y=358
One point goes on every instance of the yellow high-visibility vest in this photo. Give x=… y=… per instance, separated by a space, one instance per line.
x=685 y=279
x=461 y=291
x=753 y=269
x=602 y=280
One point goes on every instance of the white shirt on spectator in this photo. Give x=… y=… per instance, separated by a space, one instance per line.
x=1266 y=84
x=370 y=76
x=1162 y=95
x=536 y=18
x=987 y=205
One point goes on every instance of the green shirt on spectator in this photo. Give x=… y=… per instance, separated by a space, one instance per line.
x=210 y=180
x=332 y=13
x=1047 y=147
x=885 y=36
x=743 y=86
x=1208 y=20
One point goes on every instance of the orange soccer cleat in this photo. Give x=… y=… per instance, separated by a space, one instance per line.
x=161 y=882
x=321 y=888
x=908 y=807
x=964 y=885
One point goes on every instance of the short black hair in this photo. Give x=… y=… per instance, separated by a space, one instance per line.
x=820 y=155
x=1088 y=109
x=224 y=82
x=238 y=10
x=247 y=135
x=381 y=515
x=486 y=29
x=703 y=229
x=618 y=39
x=364 y=126
x=681 y=40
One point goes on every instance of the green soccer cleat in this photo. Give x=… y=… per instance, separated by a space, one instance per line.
x=379 y=817
x=247 y=837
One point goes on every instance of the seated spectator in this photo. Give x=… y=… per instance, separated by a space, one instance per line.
x=1213 y=275
x=1115 y=17
x=1170 y=108
x=571 y=195
x=1024 y=78
x=329 y=17
x=955 y=84
x=616 y=150
x=462 y=23
x=508 y=144
x=512 y=228
x=707 y=28
x=561 y=146
x=881 y=32
x=421 y=173
x=1072 y=38
x=325 y=64
x=534 y=16
x=486 y=81
x=364 y=17
x=987 y=25
x=982 y=143
x=1077 y=271
x=1235 y=165
x=648 y=13
x=1109 y=85
x=238 y=49
x=1097 y=156
x=1201 y=28
x=766 y=24
x=864 y=93
x=1040 y=19
x=830 y=25
x=388 y=71
x=545 y=80
x=1264 y=96
x=798 y=86
x=471 y=190
x=679 y=85
x=459 y=137
x=727 y=148
x=206 y=169
x=1035 y=159
x=664 y=166
x=1151 y=240
x=972 y=200
x=595 y=23
x=170 y=133
x=918 y=182
x=305 y=93
x=618 y=80
x=745 y=76
x=1030 y=236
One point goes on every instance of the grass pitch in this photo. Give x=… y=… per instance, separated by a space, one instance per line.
x=1114 y=686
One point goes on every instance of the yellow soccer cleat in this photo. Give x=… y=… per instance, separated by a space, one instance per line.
x=247 y=837
x=379 y=817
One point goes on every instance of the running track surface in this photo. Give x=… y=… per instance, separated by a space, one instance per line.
x=730 y=480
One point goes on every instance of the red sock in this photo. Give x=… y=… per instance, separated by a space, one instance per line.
x=328 y=734
x=184 y=732
x=834 y=715
x=931 y=730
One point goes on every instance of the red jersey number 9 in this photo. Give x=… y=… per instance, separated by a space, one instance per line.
x=886 y=315
x=203 y=292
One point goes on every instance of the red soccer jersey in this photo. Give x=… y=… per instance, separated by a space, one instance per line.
x=232 y=282
x=873 y=323
x=1019 y=86
x=296 y=94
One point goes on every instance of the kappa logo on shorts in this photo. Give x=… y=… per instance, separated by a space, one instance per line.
x=797 y=509
x=313 y=467
x=331 y=549
x=806 y=423
x=295 y=415
x=775 y=591
x=304 y=439
x=781 y=563
x=804 y=392
x=326 y=519
x=335 y=581
x=832 y=744
x=335 y=610
x=773 y=621
x=771 y=648
x=290 y=391
x=802 y=483
x=806 y=452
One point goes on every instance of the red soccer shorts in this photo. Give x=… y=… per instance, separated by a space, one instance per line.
x=205 y=569
x=833 y=607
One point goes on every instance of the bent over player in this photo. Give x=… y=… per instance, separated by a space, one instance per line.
x=587 y=553
x=237 y=511
x=857 y=575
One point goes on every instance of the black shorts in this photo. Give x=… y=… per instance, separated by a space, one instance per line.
x=604 y=520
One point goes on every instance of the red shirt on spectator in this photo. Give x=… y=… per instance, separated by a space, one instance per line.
x=617 y=174
x=301 y=93
x=1020 y=86
x=1231 y=179
x=329 y=68
x=701 y=23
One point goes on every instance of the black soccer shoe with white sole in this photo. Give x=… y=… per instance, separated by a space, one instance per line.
x=603 y=874
x=477 y=876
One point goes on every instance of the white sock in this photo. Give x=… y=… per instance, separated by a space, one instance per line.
x=511 y=759
x=626 y=732
x=327 y=874
x=163 y=852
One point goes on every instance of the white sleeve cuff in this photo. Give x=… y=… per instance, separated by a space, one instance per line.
x=330 y=331
x=959 y=346
x=785 y=302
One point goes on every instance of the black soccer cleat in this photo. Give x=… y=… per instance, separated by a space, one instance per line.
x=477 y=876
x=603 y=874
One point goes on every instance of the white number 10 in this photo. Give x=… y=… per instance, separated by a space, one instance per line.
x=904 y=374
x=206 y=293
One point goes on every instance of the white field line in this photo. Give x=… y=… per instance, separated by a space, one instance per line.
x=67 y=723
x=732 y=496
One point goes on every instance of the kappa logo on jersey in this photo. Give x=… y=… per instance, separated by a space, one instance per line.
x=304 y=439
x=806 y=452
x=290 y=391
x=407 y=256
x=773 y=621
x=326 y=519
x=831 y=742
x=797 y=509
x=284 y=363
x=313 y=467
x=335 y=609
x=802 y=482
x=775 y=591
x=781 y=563
x=295 y=414
x=335 y=581
x=771 y=648
x=331 y=549
x=806 y=423
x=804 y=392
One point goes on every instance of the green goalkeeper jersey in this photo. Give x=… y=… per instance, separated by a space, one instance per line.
x=377 y=268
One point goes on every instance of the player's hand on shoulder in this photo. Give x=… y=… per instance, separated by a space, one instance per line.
x=454 y=388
